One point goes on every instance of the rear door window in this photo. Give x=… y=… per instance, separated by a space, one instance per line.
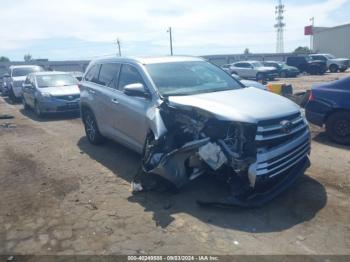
x=109 y=75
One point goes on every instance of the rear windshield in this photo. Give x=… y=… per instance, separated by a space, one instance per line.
x=23 y=71
x=189 y=78
x=56 y=80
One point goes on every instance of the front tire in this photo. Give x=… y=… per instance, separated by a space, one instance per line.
x=12 y=95
x=37 y=110
x=260 y=77
x=333 y=68
x=338 y=127
x=25 y=105
x=91 y=129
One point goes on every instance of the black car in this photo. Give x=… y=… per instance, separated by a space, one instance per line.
x=283 y=69
x=307 y=64
x=329 y=105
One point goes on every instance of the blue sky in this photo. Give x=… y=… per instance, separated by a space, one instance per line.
x=84 y=29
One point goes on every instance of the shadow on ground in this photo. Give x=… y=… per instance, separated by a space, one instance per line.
x=298 y=204
x=322 y=138
x=50 y=117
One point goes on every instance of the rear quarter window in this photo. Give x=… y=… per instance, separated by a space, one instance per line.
x=92 y=74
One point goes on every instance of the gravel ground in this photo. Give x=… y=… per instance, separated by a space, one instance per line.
x=61 y=195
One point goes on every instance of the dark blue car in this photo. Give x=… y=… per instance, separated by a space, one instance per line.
x=329 y=105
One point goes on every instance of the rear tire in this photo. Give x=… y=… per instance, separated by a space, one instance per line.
x=333 y=68
x=338 y=127
x=91 y=129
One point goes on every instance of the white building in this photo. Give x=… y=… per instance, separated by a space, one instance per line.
x=332 y=40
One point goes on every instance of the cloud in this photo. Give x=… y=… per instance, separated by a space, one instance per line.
x=211 y=26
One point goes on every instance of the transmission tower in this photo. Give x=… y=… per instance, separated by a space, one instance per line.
x=279 y=10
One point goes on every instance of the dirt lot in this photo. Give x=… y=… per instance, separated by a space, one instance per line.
x=61 y=195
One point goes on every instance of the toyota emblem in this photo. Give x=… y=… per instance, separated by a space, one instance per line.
x=287 y=126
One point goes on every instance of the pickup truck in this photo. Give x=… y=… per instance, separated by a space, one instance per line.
x=306 y=64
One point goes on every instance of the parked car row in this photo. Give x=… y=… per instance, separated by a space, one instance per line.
x=267 y=70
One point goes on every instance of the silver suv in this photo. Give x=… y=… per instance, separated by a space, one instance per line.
x=188 y=117
x=333 y=64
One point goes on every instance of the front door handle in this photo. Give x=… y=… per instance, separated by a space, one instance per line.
x=115 y=101
x=92 y=91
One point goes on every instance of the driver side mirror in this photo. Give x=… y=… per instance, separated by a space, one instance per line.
x=136 y=89
x=6 y=75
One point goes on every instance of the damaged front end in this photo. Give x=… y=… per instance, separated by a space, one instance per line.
x=187 y=142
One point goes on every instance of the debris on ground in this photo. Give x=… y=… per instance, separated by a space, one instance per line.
x=7 y=125
x=5 y=116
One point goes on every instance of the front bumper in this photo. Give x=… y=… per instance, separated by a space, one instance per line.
x=257 y=198
x=57 y=105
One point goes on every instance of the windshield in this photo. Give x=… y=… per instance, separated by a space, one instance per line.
x=329 y=56
x=257 y=64
x=55 y=80
x=189 y=78
x=23 y=71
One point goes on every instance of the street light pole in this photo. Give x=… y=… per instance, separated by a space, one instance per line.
x=171 y=40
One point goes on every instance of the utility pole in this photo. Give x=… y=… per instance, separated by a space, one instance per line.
x=312 y=20
x=119 y=50
x=171 y=40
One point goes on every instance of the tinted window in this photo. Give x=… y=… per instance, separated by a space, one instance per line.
x=129 y=75
x=187 y=78
x=23 y=71
x=109 y=74
x=92 y=74
x=243 y=65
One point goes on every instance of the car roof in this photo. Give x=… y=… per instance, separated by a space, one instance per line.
x=149 y=60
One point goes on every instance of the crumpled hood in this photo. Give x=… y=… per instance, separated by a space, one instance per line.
x=248 y=105
x=61 y=90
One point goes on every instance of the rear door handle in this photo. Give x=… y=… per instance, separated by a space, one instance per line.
x=115 y=101
x=92 y=91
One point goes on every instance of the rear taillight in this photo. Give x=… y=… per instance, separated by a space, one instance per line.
x=311 y=96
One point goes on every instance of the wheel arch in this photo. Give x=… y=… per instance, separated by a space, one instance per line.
x=335 y=110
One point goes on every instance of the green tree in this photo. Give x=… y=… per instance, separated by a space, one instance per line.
x=302 y=50
x=4 y=59
x=28 y=58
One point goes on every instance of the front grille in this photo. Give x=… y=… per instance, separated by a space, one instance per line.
x=272 y=133
x=68 y=107
x=282 y=162
x=67 y=97
x=277 y=150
